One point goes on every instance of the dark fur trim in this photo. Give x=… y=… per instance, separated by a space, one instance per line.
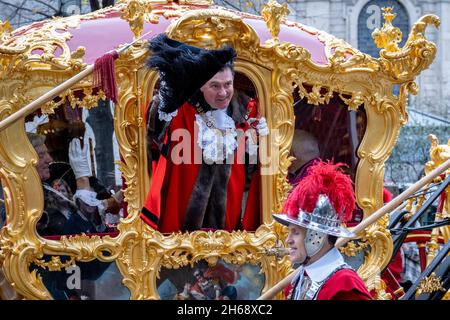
x=208 y=202
x=238 y=106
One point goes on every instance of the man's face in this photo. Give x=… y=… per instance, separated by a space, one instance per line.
x=218 y=91
x=296 y=242
x=44 y=160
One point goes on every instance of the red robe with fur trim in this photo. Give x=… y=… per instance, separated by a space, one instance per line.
x=169 y=197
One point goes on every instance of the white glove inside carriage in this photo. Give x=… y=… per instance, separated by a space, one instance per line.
x=79 y=159
x=261 y=127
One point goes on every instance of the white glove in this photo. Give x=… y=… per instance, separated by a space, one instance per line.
x=79 y=159
x=31 y=126
x=261 y=127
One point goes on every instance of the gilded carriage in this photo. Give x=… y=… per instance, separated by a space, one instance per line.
x=303 y=78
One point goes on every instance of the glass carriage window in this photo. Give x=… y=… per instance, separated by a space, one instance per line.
x=77 y=154
x=94 y=280
x=371 y=17
x=327 y=132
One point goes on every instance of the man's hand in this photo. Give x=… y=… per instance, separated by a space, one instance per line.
x=79 y=159
x=261 y=126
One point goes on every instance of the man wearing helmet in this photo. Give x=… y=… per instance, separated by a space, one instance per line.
x=314 y=212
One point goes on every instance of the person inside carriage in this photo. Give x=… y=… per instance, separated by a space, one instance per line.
x=305 y=150
x=209 y=179
x=67 y=214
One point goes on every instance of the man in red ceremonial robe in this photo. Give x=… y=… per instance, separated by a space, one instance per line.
x=203 y=177
x=314 y=212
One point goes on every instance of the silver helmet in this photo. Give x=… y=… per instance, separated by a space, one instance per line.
x=323 y=218
x=321 y=222
x=320 y=203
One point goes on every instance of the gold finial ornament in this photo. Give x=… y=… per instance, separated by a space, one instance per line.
x=274 y=14
x=5 y=35
x=388 y=37
x=5 y=29
x=136 y=13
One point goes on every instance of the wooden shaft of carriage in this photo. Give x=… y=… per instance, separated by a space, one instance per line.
x=394 y=203
x=50 y=95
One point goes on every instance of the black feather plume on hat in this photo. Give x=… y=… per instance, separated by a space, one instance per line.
x=184 y=69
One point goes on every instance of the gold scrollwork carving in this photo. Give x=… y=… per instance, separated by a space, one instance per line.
x=212 y=28
x=274 y=69
x=55 y=263
x=89 y=100
x=238 y=247
x=38 y=47
x=430 y=284
x=403 y=64
x=351 y=249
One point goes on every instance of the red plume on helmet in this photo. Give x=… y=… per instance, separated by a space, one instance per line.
x=323 y=178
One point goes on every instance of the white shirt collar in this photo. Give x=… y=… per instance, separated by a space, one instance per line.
x=322 y=268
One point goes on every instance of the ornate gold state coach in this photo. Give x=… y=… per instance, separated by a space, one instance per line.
x=296 y=72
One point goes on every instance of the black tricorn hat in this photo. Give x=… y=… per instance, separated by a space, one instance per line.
x=184 y=69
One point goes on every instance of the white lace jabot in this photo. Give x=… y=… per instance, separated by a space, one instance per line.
x=217 y=135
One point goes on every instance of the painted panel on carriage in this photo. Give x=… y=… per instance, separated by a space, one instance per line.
x=327 y=132
x=94 y=280
x=224 y=281
x=81 y=183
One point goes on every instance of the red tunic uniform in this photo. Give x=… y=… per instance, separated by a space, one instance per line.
x=329 y=278
x=345 y=284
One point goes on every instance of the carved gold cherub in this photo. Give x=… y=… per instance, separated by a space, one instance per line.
x=439 y=153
